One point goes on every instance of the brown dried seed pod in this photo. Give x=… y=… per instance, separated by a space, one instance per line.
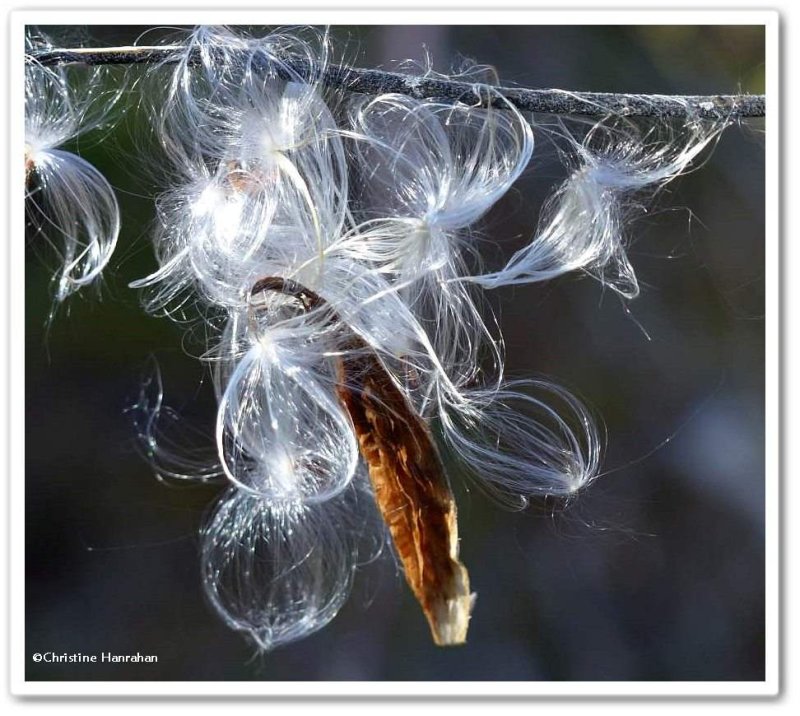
x=408 y=478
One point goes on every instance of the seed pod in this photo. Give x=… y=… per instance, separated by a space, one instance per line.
x=408 y=478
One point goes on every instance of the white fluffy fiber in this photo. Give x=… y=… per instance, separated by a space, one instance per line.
x=371 y=202
x=70 y=203
x=583 y=227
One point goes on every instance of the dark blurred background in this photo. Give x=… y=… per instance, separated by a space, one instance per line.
x=656 y=572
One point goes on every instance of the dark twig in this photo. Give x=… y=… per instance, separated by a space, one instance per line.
x=366 y=81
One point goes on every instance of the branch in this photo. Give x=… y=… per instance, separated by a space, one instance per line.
x=366 y=81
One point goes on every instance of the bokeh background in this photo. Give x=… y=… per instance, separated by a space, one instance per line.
x=656 y=573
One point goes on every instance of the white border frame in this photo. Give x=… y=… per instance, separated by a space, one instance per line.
x=19 y=686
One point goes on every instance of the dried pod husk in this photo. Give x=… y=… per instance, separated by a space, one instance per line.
x=408 y=478
x=412 y=493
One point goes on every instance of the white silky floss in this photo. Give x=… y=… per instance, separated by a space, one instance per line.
x=374 y=213
x=583 y=225
x=71 y=204
x=278 y=571
x=282 y=433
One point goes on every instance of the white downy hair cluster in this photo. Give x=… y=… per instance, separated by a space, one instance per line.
x=371 y=202
x=70 y=203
